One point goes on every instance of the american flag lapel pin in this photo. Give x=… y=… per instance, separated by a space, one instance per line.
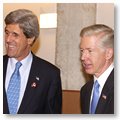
x=37 y=78
x=104 y=97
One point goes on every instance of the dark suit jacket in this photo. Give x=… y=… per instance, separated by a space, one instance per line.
x=106 y=100
x=43 y=98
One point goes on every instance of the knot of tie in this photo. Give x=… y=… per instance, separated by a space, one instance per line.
x=18 y=65
x=96 y=85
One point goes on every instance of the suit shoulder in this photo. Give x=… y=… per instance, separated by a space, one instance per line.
x=87 y=85
x=44 y=64
x=5 y=56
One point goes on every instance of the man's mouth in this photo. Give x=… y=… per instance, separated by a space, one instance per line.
x=87 y=66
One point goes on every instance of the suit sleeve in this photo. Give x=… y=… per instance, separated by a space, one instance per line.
x=54 y=100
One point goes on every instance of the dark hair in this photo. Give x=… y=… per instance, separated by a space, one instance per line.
x=27 y=21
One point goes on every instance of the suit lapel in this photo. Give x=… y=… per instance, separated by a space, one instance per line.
x=88 y=96
x=29 y=94
x=31 y=88
x=107 y=89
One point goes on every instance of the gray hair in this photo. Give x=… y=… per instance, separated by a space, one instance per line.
x=105 y=33
x=27 y=21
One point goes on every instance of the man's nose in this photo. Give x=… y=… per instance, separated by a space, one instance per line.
x=8 y=38
x=83 y=55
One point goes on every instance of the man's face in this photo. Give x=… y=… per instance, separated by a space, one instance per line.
x=17 y=45
x=93 y=57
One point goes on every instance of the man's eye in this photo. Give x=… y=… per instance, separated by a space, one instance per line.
x=90 y=51
x=6 y=33
x=15 y=34
x=81 y=51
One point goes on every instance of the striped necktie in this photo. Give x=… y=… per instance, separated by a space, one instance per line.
x=13 y=90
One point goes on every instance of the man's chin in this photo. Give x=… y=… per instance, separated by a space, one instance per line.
x=89 y=71
x=10 y=55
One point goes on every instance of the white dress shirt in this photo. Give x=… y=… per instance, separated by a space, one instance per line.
x=24 y=73
x=102 y=79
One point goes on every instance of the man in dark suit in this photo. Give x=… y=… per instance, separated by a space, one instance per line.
x=97 y=54
x=40 y=91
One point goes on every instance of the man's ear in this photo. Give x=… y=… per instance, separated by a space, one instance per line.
x=109 y=53
x=31 y=40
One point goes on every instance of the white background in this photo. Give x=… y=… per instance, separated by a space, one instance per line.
x=117 y=67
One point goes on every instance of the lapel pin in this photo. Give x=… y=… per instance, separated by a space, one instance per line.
x=104 y=97
x=33 y=85
x=37 y=78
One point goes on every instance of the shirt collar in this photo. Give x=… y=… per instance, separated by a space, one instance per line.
x=102 y=78
x=24 y=62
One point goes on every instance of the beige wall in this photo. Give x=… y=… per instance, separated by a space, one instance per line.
x=46 y=47
x=71 y=19
x=105 y=14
